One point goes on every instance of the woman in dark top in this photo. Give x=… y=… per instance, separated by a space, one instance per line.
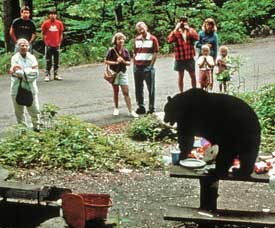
x=209 y=36
x=118 y=58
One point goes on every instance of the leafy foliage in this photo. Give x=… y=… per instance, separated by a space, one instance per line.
x=73 y=144
x=236 y=19
x=148 y=127
x=5 y=62
x=263 y=104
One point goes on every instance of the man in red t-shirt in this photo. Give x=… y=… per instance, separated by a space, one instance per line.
x=52 y=31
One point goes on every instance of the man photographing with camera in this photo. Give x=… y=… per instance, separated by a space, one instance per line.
x=184 y=38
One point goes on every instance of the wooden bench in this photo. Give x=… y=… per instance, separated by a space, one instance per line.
x=208 y=212
x=19 y=190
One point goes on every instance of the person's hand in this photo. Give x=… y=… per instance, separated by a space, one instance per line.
x=186 y=27
x=222 y=62
x=209 y=45
x=120 y=60
x=15 y=68
x=178 y=25
x=149 y=68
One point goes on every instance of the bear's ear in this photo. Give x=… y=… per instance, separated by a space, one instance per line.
x=169 y=98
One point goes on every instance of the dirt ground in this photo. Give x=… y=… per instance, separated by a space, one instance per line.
x=140 y=198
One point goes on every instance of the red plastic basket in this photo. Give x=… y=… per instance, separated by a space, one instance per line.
x=79 y=208
x=96 y=205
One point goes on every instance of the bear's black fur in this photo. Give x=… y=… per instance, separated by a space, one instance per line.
x=223 y=120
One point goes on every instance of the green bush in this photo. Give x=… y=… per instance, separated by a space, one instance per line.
x=5 y=62
x=73 y=144
x=263 y=103
x=148 y=127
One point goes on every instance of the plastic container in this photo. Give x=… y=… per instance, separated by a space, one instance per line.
x=79 y=208
x=96 y=205
x=175 y=154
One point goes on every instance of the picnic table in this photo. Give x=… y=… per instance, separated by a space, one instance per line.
x=208 y=212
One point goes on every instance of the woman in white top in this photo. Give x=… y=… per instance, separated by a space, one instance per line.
x=24 y=67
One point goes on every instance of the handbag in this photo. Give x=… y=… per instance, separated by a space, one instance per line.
x=24 y=96
x=110 y=75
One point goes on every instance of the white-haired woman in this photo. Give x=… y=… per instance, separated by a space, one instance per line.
x=118 y=58
x=24 y=68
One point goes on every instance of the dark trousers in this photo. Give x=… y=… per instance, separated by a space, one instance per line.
x=52 y=53
x=146 y=74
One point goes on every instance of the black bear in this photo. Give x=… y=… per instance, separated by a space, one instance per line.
x=223 y=120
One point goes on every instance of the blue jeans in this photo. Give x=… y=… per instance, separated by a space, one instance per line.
x=147 y=74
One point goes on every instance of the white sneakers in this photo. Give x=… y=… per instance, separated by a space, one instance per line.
x=132 y=113
x=47 y=79
x=116 y=112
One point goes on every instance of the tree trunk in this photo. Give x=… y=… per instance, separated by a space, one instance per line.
x=118 y=14
x=11 y=10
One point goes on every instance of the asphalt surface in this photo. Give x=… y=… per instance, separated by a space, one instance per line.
x=84 y=92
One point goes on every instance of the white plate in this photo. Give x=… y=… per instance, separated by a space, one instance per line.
x=192 y=163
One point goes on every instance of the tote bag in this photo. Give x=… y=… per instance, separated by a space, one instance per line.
x=24 y=96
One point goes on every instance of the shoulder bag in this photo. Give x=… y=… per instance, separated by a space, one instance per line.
x=110 y=75
x=24 y=96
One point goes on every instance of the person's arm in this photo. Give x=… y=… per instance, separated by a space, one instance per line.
x=31 y=71
x=109 y=62
x=61 y=38
x=12 y=34
x=33 y=37
x=215 y=46
x=123 y=61
x=155 y=52
x=201 y=61
x=61 y=33
x=193 y=35
x=199 y=42
x=209 y=61
x=16 y=69
x=153 y=59
x=171 y=38
x=33 y=31
x=108 y=58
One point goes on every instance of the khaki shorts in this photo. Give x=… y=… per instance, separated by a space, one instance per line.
x=121 y=79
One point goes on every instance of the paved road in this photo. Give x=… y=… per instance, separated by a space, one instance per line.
x=84 y=93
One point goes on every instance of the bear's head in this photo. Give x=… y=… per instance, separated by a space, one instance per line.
x=170 y=111
x=184 y=105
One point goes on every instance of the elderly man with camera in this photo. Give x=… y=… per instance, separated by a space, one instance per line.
x=184 y=38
